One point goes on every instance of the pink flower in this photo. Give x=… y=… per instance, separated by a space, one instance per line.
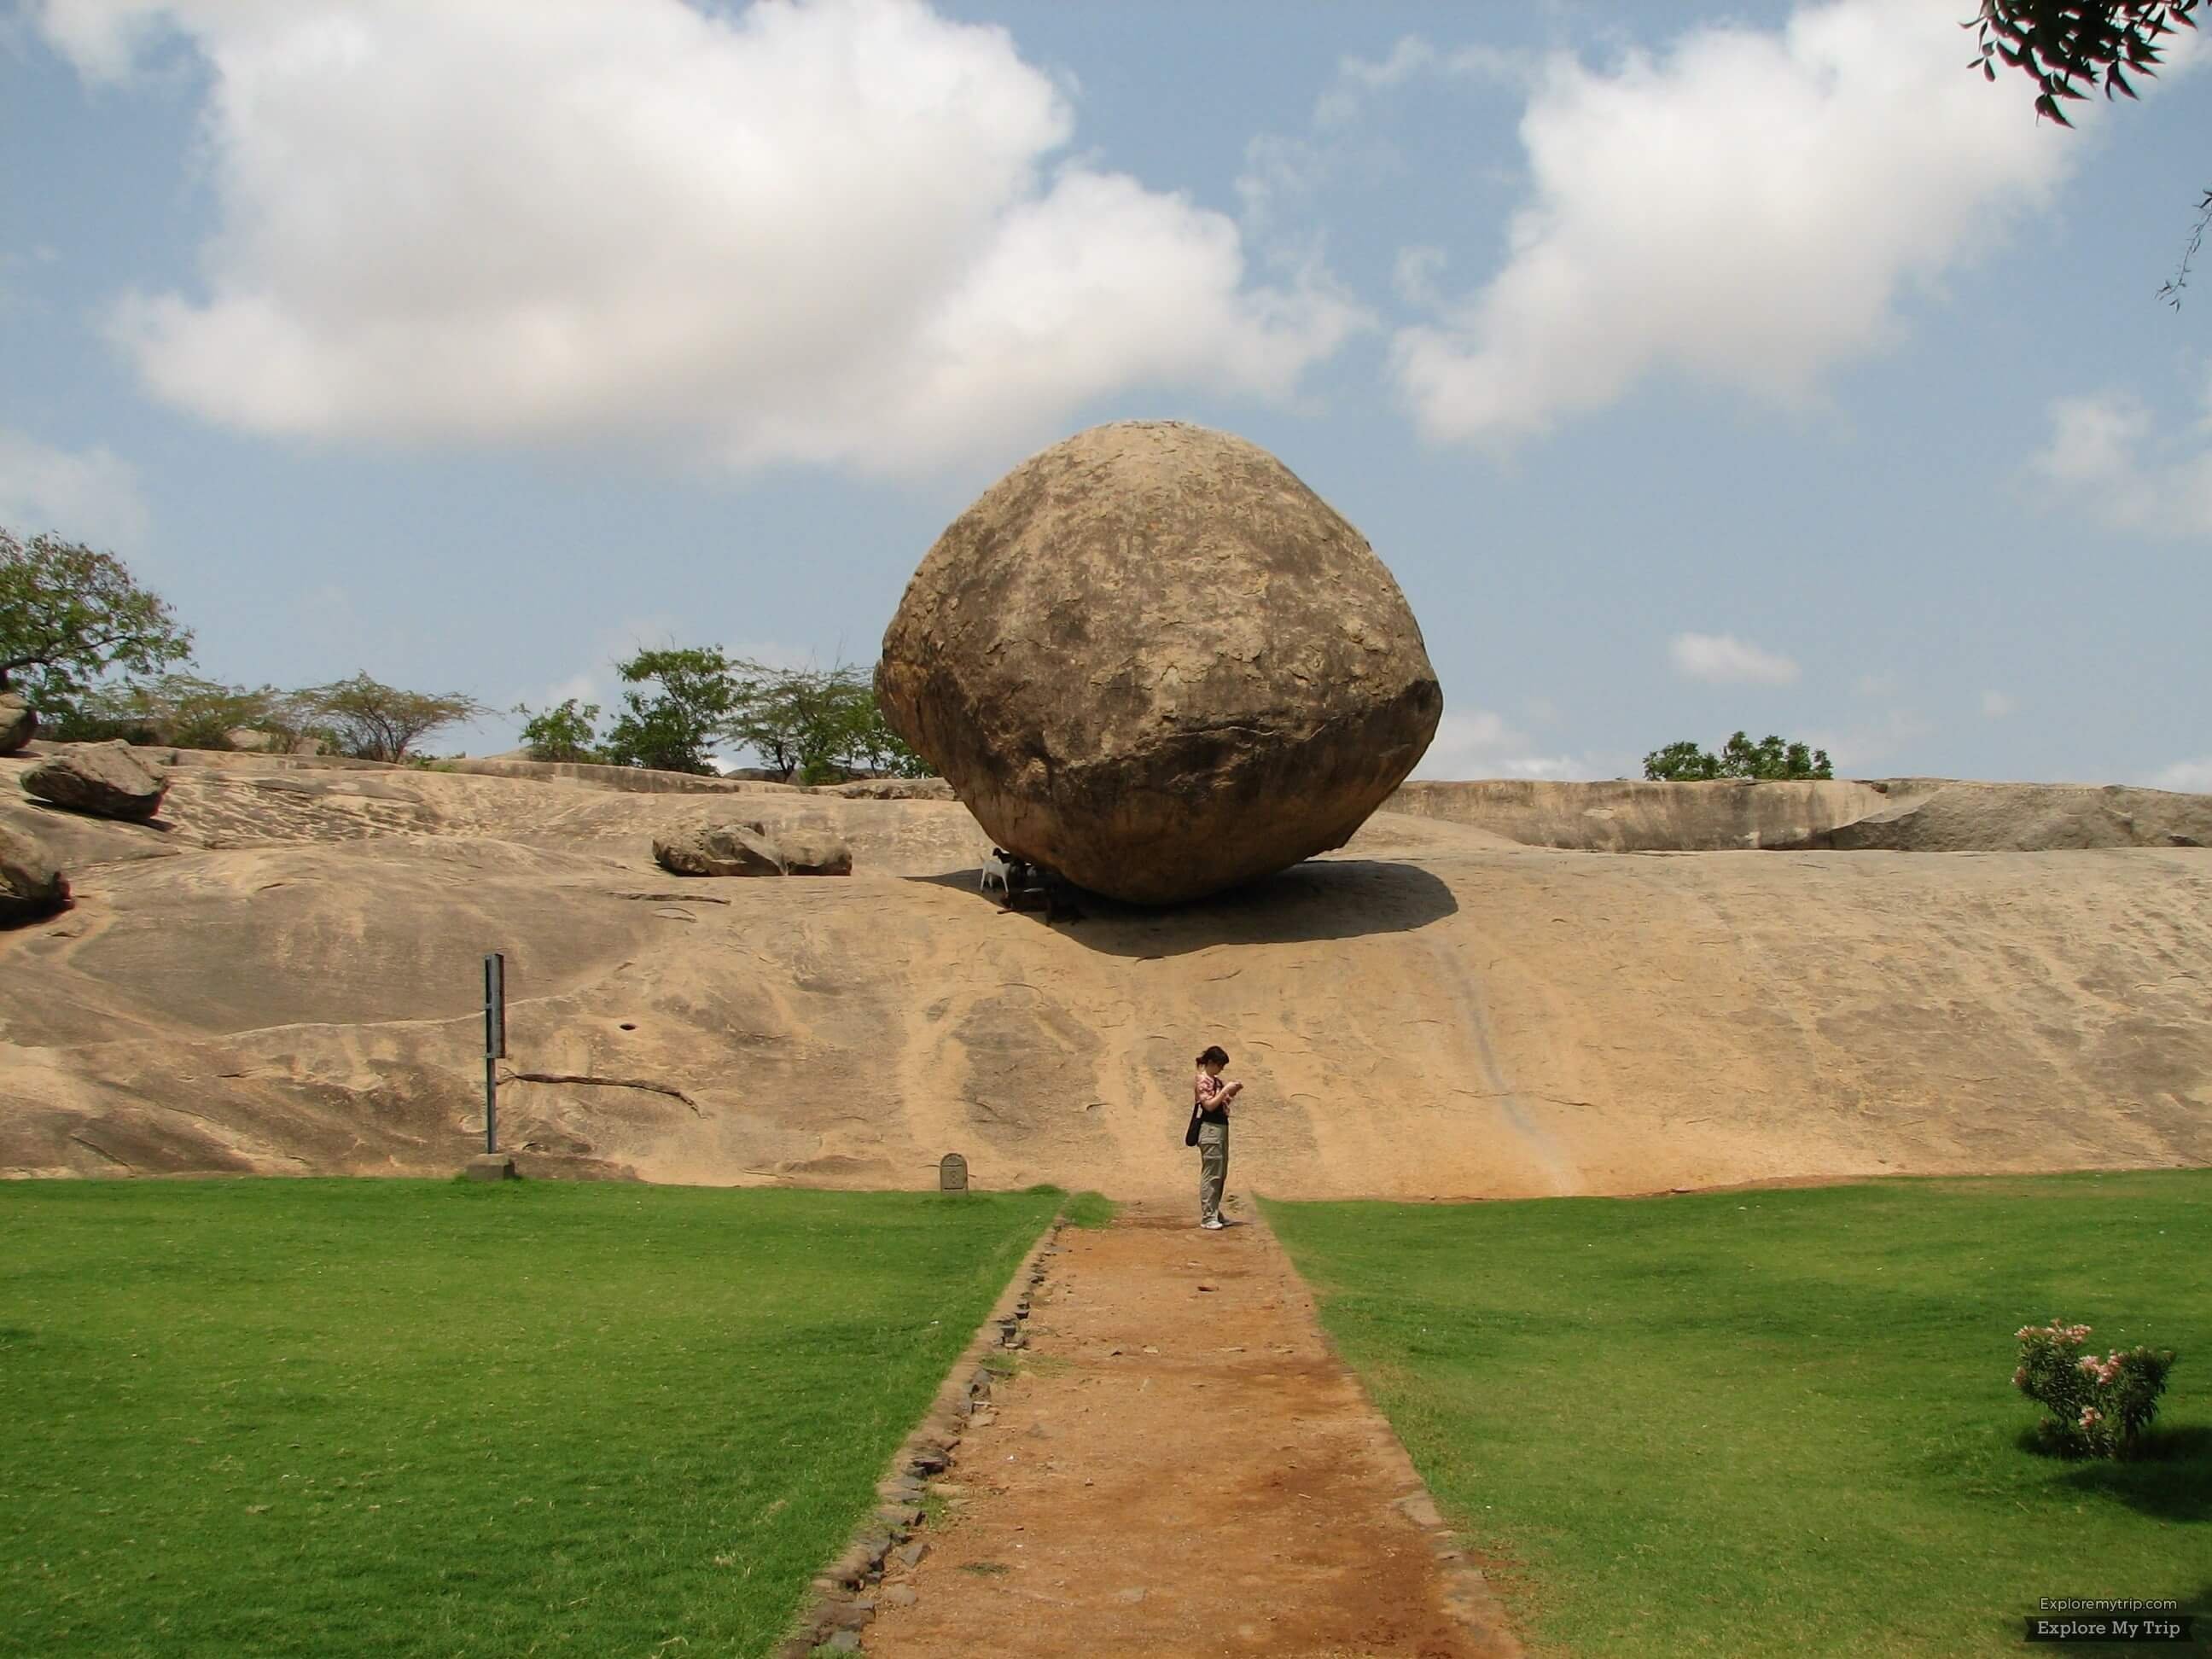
x=2091 y=1417
x=2088 y=1362
x=2019 y=1377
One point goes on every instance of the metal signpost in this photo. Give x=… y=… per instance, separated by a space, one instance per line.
x=495 y=1042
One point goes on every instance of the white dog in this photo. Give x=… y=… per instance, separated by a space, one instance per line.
x=1002 y=871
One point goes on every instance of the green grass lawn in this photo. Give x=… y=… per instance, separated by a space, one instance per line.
x=1091 y=1210
x=394 y=1417
x=1783 y=1421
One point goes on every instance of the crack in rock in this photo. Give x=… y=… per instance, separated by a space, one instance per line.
x=603 y=1082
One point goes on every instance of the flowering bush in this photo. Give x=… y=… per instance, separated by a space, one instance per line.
x=2097 y=1407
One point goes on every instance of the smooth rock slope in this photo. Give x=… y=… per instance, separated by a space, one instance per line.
x=283 y=976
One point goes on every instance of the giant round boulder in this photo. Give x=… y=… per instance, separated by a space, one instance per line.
x=1151 y=658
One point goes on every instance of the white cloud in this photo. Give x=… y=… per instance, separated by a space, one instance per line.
x=824 y=232
x=2106 y=452
x=1725 y=660
x=1412 y=56
x=2192 y=777
x=1996 y=705
x=83 y=496
x=1282 y=171
x=1743 y=208
x=1483 y=744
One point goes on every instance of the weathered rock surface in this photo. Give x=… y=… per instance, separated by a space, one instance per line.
x=748 y=849
x=718 y=850
x=813 y=852
x=894 y=789
x=287 y=983
x=30 y=883
x=1151 y=659
x=251 y=740
x=1895 y=814
x=18 y=725
x=1937 y=814
x=104 y=779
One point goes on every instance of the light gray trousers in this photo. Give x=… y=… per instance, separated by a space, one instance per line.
x=1212 y=1168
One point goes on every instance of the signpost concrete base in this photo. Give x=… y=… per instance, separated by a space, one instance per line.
x=492 y=1166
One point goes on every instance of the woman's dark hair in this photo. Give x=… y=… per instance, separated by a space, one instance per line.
x=1214 y=1054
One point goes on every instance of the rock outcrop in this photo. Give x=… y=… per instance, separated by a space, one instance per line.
x=747 y=849
x=104 y=779
x=282 y=978
x=810 y=852
x=894 y=789
x=1151 y=659
x=1895 y=815
x=30 y=883
x=18 y=725
x=718 y=850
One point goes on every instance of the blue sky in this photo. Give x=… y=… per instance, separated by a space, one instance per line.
x=1692 y=369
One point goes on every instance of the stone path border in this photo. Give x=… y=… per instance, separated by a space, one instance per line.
x=841 y=1605
x=1188 y=1466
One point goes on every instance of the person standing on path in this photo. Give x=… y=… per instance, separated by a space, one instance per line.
x=1210 y=1098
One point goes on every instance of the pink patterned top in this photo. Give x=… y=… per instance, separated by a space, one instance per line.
x=1206 y=1095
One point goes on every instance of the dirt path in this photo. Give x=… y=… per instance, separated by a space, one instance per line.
x=1182 y=1469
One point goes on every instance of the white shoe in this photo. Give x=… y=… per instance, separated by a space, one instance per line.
x=1213 y=1226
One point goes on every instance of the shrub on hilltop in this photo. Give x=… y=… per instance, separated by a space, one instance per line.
x=1770 y=758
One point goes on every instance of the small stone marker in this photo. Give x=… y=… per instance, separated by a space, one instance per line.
x=952 y=1173
x=492 y=1166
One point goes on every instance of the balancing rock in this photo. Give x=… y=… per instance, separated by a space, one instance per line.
x=1151 y=658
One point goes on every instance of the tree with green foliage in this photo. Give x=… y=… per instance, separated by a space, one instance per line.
x=568 y=731
x=671 y=724
x=370 y=720
x=1770 y=758
x=180 y=710
x=771 y=711
x=2067 y=47
x=70 y=615
x=872 y=744
x=876 y=747
x=819 y=724
x=1681 y=762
